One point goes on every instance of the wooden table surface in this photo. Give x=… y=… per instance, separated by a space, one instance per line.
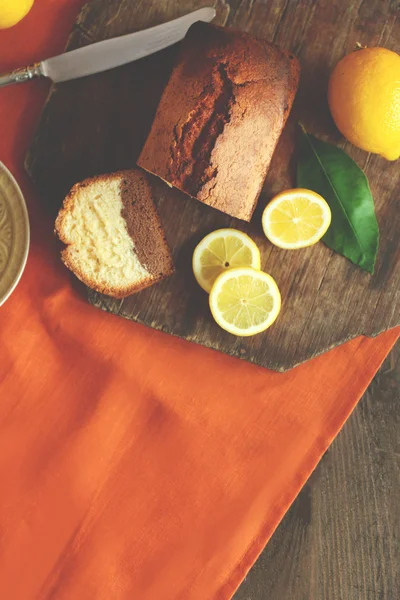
x=340 y=538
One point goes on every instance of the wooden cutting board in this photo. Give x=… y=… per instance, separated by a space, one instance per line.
x=99 y=123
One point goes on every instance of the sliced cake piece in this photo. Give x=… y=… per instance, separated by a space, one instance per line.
x=114 y=240
x=220 y=117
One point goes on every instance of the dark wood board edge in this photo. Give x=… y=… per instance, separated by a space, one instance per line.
x=74 y=40
x=114 y=307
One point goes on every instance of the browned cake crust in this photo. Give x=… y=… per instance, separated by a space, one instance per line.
x=221 y=116
x=143 y=224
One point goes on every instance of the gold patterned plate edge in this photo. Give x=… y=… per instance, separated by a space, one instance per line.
x=14 y=233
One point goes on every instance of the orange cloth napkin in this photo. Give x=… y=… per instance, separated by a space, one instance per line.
x=134 y=465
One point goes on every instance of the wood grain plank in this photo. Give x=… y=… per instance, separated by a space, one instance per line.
x=99 y=124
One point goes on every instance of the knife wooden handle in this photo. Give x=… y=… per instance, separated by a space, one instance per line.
x=22 y=74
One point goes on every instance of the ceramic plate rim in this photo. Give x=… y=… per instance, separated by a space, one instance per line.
x=26 y=232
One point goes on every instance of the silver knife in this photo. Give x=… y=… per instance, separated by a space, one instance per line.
x=108 y=54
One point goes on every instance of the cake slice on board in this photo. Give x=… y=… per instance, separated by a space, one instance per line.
x=114 y=239
x=220 y=117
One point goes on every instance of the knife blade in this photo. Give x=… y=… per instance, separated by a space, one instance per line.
x=108 y=54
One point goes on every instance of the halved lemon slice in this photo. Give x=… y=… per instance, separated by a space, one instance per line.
x=222 y=250
x=245 y=301
x=296 y=218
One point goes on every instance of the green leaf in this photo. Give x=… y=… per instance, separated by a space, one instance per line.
x=330 y=172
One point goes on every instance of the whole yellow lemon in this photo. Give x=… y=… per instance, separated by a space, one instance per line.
x=364 y=98
x=12 y=11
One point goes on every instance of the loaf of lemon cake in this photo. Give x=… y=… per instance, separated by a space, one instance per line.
x=220 y=117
